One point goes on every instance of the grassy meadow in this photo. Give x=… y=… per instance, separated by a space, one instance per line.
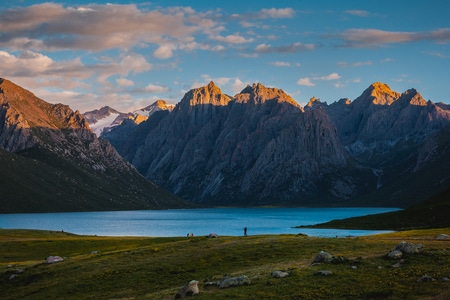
x=156 y=268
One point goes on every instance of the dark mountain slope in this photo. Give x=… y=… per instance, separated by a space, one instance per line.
x=53 y=162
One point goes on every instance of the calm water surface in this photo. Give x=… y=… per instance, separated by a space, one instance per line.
x=180 y=222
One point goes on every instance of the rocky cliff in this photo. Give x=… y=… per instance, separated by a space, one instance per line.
x=79 y=171
x=260 y=147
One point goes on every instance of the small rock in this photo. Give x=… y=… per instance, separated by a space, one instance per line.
x=95 y=252
x=213 y=235
x=13 y=276
x=279 y=274
x=408 y=248
x=425 y=278
x=445 y=279
x=234 y=281
x=19 y=271
x=211 y=283
x=443 y=237
x=189 y=289
x=323 y=257
x=53 y=259
x=9 y=266
x=324 y=273
x=380 y=267
x=395 y=254
x=354 y=267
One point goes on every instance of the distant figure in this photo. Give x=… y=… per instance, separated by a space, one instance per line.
x=245 y=231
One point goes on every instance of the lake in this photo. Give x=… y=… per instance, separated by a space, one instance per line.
x=180 y=222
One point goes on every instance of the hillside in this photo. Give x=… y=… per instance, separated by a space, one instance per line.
x=52 y=161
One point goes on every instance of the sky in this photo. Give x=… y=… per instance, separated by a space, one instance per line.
x=127 y=55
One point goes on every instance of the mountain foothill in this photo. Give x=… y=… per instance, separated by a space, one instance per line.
x=257 y=148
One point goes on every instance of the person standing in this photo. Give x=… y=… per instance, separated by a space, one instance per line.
x=245 y=231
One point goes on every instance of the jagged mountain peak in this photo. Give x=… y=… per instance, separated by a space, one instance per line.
x=209 y=94
x=35 y=112
x=378 y=93
x=257 y=93
x=413 y=97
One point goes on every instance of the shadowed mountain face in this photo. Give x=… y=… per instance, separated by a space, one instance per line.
x=52 y=161
x=261 y=148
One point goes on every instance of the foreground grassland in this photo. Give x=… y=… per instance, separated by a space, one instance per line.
x=155 y=268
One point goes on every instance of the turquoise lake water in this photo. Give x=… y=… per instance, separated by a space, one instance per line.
x=199 y=222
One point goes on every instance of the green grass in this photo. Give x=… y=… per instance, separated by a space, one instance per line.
x=155 y=268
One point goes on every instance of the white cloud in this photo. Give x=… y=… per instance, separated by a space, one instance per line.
x=124 y=82
x=232 y=39
x=96 y=27
x=354 y=64
x=151 y=88
x=163 y=52
x=276 y=13
x=305 y=82
x=332 y=76
x=280 y=64
x=356 y=12
x=360 y=38
x=290 y=48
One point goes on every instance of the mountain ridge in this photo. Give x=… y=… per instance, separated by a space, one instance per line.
x=260 y=147
x=73 y=169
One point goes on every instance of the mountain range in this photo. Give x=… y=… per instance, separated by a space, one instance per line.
x=102 y=120
x=260 y=147
x=52 y=161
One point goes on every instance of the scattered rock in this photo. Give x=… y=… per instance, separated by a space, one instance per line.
x=13 y=276
x=425 y=278
x=443 y=237
x=279 y=274
x=95 y=252
x=408 y=248
x=189 y=289
x=354 y=267
x=395 y=254
x=211 y=283
x=234 y=281
x=323 y=257
x=445 y=279
x=324 y=273
x=213 y=235
x=9 y=266
x=53 y=259
x=397 y=265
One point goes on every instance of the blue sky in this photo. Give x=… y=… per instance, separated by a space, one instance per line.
x=128 y=54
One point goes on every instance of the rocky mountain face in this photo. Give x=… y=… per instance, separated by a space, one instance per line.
x=78 y=170
x=256 y=148
x=380 y=118
x=102 y=120
x=261 y=148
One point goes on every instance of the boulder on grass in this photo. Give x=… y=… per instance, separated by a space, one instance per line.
x=234 y=281
x=189 y=289
x=323 y=257
x=408 y=248
x=395 y=254
x=443 y=236
x=53 y=259
x=279 y=274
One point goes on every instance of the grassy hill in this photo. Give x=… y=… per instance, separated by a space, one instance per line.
x=155 y=268
x=432 y=213
x=37 y=180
